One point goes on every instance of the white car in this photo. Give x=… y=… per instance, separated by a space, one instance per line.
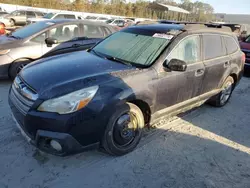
x=51 y=16
x=5 y=21
x=96 y=18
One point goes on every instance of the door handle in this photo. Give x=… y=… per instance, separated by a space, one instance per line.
x=199 y=72
x=76 y=45
x=227 y=64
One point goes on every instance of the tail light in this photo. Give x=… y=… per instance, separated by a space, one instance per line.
x=2 y=29
x=243 y=58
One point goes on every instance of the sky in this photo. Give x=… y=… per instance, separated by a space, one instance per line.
x=229 y=6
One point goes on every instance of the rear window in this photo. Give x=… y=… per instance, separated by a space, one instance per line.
x=231 y=45
x=213 y=47
x=69 y=16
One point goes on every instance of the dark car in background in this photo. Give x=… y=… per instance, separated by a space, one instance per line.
x=105 y=96
x=47 y=38
x=245 y=47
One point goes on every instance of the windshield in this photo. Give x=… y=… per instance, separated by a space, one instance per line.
x=110 y=21
x=30 y=30
x=141 y=50
x=48 y=15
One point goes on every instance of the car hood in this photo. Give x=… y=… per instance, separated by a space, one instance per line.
x=62 y=74
x=9 y=42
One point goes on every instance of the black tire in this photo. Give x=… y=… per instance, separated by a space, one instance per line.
x=113 y=135
x=16 y=67
x=12 y=22
x=223 y=97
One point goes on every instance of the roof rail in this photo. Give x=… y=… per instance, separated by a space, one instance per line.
x=194 y=26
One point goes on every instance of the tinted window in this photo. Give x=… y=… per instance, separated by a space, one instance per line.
x=69 y=16
x=231 y=45
x=91 y=18
x=30 y=14
x=187 y=50
x=60 y=16
x=213 y=46
x=39 y=14
x=93 y=31
x=102 y=18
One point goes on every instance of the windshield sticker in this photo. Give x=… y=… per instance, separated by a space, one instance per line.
x=162 y=35
x=50 y=23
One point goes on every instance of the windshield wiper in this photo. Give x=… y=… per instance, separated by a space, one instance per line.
x=119 y=60
x=97 y=53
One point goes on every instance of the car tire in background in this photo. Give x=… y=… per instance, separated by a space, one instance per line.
x=17 y=66
x=124 y=130
x=223 y=97
x=12 y=22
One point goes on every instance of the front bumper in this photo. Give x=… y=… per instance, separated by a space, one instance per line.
x=74 y=132
x=5 y=62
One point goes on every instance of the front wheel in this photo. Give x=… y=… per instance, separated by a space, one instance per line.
x=16 y=67
x=124 y=130
x=223 y=97
x=12 y=23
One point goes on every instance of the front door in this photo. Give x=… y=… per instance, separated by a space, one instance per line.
x=216 y=61
x=176 y=87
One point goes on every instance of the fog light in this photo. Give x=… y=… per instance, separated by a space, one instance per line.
x=55 y=145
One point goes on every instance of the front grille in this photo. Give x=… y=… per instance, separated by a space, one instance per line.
x=22 y=103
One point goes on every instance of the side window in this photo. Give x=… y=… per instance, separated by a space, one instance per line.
x=60 y=16
x=230 y=45
x=213 y=47
x=69 y=16
x=40 y=38
x=65 y=33
x=116 y=21
x=187 y=50
x=93 y=31
x=30 y=14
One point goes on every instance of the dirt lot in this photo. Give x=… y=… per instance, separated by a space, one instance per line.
x=208 y=148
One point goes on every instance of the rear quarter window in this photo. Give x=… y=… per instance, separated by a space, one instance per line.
x=213 y=47
x=231 y=45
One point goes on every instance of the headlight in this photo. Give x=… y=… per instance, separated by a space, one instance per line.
x=3 y=52
x=69 y=103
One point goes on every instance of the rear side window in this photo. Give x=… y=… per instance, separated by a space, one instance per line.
x=213 y=47
x=231 y=45
x=69 y=16
x=60 y=16
x=93 y=31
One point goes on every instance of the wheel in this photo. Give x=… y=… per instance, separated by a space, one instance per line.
x=223 y=97
x=124 y=130
x=16 y=67
x=12 y=22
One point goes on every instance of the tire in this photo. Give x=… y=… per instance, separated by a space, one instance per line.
x=12 y=22
x=16 y=67
x=223 y=97
x=119 y=139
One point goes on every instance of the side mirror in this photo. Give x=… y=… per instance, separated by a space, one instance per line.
x=120 y=24
x=51 y=41
x=175 y=65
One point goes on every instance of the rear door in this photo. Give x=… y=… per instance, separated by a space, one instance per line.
x=216 y=61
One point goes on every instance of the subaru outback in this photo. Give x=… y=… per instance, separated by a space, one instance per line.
x=105 y=96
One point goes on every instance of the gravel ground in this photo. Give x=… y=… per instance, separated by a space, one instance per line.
x=207 y=148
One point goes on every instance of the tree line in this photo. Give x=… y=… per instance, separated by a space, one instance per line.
x=199 y=11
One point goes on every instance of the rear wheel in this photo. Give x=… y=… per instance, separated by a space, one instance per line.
x=124 y=130
x=16 y=67
x=223 y=97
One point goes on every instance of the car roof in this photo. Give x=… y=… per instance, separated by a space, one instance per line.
x=61 y=21
x=160 y=28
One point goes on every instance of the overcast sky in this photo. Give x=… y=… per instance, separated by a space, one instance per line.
x=229 y=6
